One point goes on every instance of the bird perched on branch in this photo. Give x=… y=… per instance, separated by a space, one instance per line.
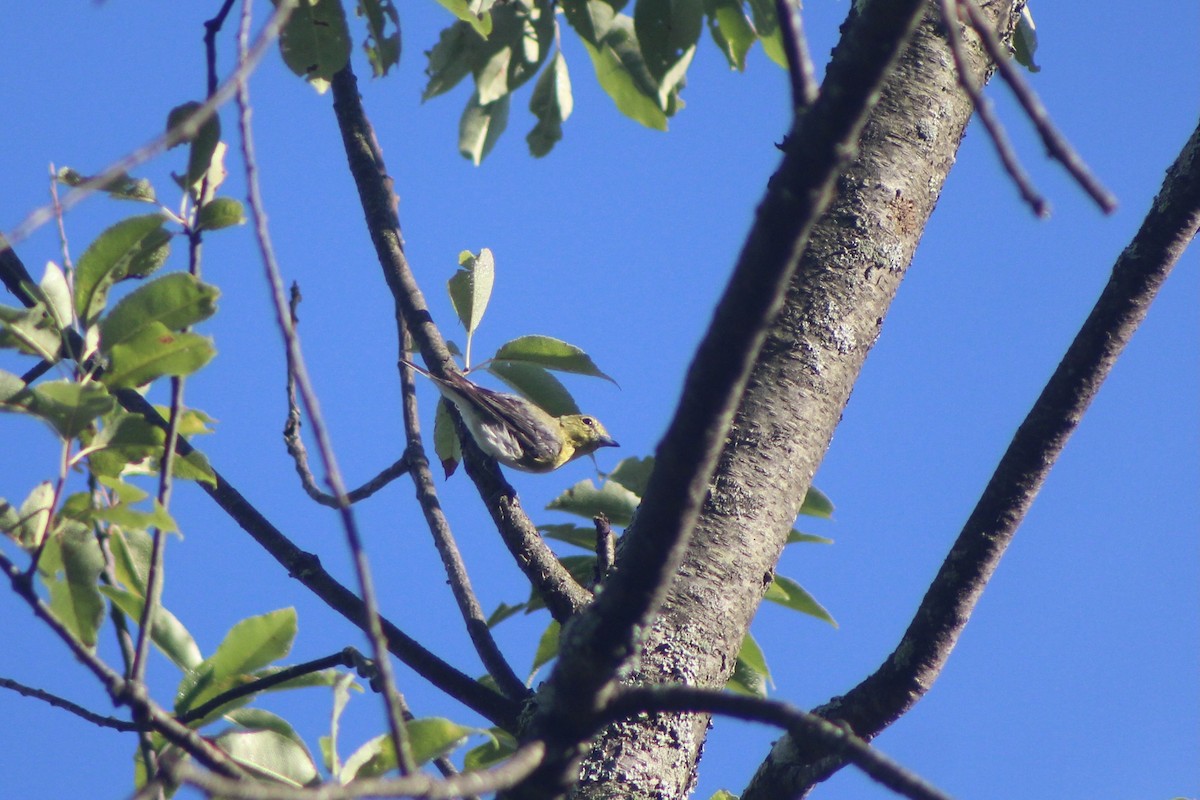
x=516 y=432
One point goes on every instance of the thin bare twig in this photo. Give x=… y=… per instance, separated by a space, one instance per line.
x=184 y=131
x=67 y=705
x=393 y=701
x=299 y=453
x=795 y=46
x=121 y=691
x=987 y=114
x=1056 y=144
x=443 y=537
x=657 y=699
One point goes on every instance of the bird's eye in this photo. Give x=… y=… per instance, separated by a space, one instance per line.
x=589 y=421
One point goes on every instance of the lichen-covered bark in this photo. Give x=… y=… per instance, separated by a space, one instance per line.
x=800 y=384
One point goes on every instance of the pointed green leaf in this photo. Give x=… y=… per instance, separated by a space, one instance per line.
x=551 y=353
x=620 y=81
x=56 y=296
x=168 y=634
x=633 y=473
x=797 y=536
x=584 y=499
x=480 y=20
x=750 y=674
x=471 y=287
x=119 y=187
x=268 y=752
x=220 y=212
x=667 y=31
x=445 y=439
x=551 y=103
x=430 y=738
x=451 y=59
x=789 y=594
x=1025 y=42
x=547 y=649
x=383 y=34
x=766 y=23
x=204 y=143
x=131 y=551
x=480 y=127
x=591 y=19
x=536 y=385
x=731 y=30
x=250 y=644
x=133 y=248
x=500 y=745
x=154 y=352
x=503 y=612
x=315 y=42
x=31 y=331
x=75 y=600
x=68 y=407
x=28 y=524
x=133 y=519
x=817 y=504
x=173 y=302
x=571 y=534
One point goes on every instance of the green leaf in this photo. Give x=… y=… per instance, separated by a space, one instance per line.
x=451 y=59
x=383 y=34
x=134 y=519
x=119 y=187
x=250 y=644
x=723 y=794
x=612 y=500
x=551 y=353
x=55 y=294
x=129 y=444
x=480 y=22
x=766 y=23
x=470 y=289
x=817 y=504
x=68 y=407
x=503 y=612
x=551 y=103
x=622 y=73
x=500 y=745
x=547 y=649
x=75 y=600
x=154 y=352
x=480 y=127
x=167 y=633
x=633 y=473
x=797 y=536
x=789 y=594
x=445 y=439
x=1025 y=41
x=536 y=385
x=131 y=558
x=571 y=534
x=204 y=143
x=591 y=19
x=220 y=212
x=133 y=248
x=582 y=569
x=173 y=302
x=667 y=31
x=27 y=525
x=731 y=30
x=268 y=752
x=315 y=42
x=750 y=674
x=430 y=737
x=329 y=744
x=31 y=331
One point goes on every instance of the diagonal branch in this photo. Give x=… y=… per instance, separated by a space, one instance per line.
x=379 y=207
x=794 y=766
x=823 y=139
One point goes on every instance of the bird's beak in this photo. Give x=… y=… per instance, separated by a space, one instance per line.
x=608 y=441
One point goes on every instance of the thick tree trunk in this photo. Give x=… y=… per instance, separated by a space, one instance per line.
x=834 y=309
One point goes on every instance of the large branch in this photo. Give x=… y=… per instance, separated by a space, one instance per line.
x=599 y=642
x=848 y=275
x=1174 y=218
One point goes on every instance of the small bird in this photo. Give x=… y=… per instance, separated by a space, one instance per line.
x=516 y=432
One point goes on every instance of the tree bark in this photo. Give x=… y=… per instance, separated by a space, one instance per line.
x=834 y=308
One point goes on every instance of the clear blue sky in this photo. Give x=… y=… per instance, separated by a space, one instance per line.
x=1078 y=675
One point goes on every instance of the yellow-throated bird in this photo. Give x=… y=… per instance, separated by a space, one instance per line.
x=516 y=432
